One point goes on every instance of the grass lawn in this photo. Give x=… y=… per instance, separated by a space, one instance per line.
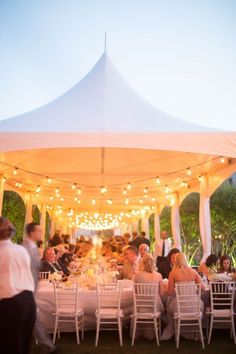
x=221 y=343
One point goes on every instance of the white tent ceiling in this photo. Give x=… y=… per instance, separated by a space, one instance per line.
x=101 y=133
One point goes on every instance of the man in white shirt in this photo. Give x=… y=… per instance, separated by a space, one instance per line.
x=17 y=304
x=162 y=248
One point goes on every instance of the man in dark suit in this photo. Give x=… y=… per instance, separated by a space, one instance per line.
x=139 y=240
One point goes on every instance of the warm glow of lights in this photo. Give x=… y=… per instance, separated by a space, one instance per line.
x=57 y=190
x=124 y=191
x=49 y=180
x=93 y=201
x=79 y=191
x=199 y=178
x=145 y=190
x=73 y=186
x=166 y=189
x=126 y=201
x=109 y=201
x=157 y=180
x=189 y=172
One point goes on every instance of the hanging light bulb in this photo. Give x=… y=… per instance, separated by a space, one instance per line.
x=189 y=172
x=129 y=186
x=49 y=180
x=166 y=189
x=157 y=180
x=38 y=189
x=141 y=201
x=73 y=186
x=79 y=191
x=222 y=159
x=20 y=184
x=93 y=201
x=124 y=191
x=57 y=190
x=15 y=171
x=145 y=190
x=199 y=178
x=62 y=199
x=17 y=184
x=109 y=201
x=4 y=179
x=126 y=201
x=51 y=197
x=103 y=189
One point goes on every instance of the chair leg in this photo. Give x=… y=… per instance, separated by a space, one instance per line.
x=82 y=330
x=210 y=330
x=55 y=330
x=77 y=329
x=233 y=328
x=201 y=333
x=97 y=331
x=159 y=326
x=120 y=330
x=156 y=330
x=178 y=334
x=134 y=329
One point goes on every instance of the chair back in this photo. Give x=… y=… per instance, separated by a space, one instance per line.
x=125 y=283
x=188 y=295
x=108 y=296
x=222 y=295
x=145 y=297
x=44 y=275
x=66 y=297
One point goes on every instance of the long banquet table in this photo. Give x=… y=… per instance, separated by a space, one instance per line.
x=87 y=301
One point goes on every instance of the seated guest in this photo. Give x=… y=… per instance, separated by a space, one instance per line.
x=225 y=264
x=149 y=275
x=130 y=263
x=48 y=262
x=211 y=261
x=166 y=266
x=181 y=272
x=143 y=250
x=59 y=251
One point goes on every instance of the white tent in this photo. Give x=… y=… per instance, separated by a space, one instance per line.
x=101 y=133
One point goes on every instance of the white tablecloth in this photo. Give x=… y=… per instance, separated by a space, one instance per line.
x=87 y=301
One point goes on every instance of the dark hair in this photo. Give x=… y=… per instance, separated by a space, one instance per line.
x=211 y=260
x=133 y=249
x=222 y=259
x=7 y=231
x=31 y=227
x=143 y=233
x=172 y=251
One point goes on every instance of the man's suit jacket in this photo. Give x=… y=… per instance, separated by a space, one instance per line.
x=46 y=266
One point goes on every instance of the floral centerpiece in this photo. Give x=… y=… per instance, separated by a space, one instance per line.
x=215 y=276
x=55 y=276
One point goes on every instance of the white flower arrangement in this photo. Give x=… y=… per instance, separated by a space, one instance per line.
x=55 y=276
x=215 y=276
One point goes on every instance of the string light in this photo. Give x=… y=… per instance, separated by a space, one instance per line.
x=93 y=201
x=57 y=190
x=124 y=191
x=15 y=171
x=73 y=186
x=189 y=172
x=49 y=180
x=222 y=159
x=103 y=189
x=79 y=191
x=199 y=178
x=126 y=201
x=145 y=190
x=166 y=189
x=129 y=186
x=38 y=189
x=109 y=201
x=157 y=180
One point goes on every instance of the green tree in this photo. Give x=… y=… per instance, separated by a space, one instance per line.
x=14 y=210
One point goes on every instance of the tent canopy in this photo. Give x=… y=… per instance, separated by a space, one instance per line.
x=101 y=133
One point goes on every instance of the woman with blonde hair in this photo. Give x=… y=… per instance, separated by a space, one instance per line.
x=181 y=272
x=149 y=275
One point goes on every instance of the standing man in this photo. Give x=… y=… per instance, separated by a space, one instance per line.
x=17 y=304
x=162 y=248
x=33 y=235
x=139 y=240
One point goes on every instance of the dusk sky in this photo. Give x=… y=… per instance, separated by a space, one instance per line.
x=180 y=55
